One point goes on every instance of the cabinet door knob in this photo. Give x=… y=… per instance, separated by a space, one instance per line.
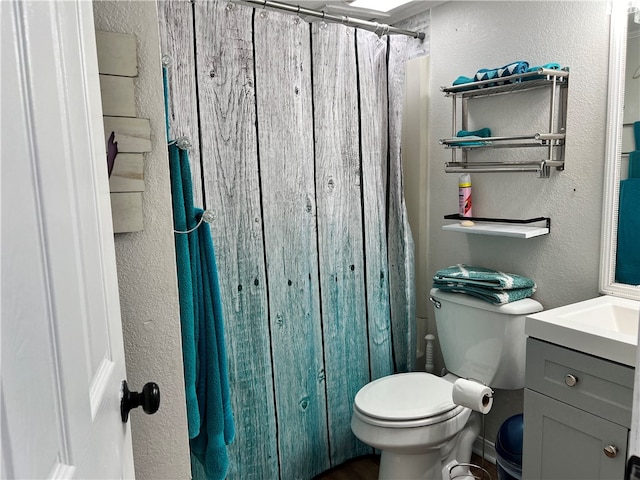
x=570 y=380
x=611 y=451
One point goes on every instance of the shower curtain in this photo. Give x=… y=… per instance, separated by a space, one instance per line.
x=297 y=127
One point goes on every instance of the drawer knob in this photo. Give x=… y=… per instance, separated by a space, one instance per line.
x=611 y=451
x=570 y=380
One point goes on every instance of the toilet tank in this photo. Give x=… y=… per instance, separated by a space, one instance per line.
x=483 y=341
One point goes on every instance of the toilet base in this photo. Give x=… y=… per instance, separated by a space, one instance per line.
x=423 y=466
x=433 y=464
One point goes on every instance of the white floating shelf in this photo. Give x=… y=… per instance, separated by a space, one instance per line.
x=499 y=229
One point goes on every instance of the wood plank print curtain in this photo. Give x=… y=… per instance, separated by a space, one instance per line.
x=298 y=129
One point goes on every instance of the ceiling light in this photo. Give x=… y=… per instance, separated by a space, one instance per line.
x=379 y=5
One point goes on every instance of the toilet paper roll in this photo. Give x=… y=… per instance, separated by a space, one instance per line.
x=472 y=394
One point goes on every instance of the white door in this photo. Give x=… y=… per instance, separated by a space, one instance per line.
x=62 y=354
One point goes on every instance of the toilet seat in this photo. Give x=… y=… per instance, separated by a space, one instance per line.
x=406 y=400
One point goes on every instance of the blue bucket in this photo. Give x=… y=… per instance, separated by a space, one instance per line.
x=509 y=448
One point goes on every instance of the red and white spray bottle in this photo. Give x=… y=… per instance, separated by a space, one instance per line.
x=464 y=195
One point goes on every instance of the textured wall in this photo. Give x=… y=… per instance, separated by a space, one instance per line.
x=467 y=36
x=146 y=267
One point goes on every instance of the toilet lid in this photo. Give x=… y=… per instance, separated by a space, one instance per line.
x=405 y=396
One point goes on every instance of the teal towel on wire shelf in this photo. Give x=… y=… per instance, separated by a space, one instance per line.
x=548 y=66
x=475 y=137
x=209 y=415
x=483 y=132
x=489 y=285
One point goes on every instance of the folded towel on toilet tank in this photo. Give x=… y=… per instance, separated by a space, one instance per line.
x=489 y=285
x=496 y=297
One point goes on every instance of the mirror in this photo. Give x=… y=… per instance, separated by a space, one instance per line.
x=619 y=141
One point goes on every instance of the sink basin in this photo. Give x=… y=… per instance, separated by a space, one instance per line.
x=605 y=326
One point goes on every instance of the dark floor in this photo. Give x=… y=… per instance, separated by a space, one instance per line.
x=360 y=468
x=366 y=468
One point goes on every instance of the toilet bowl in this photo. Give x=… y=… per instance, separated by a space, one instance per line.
x=411 y=417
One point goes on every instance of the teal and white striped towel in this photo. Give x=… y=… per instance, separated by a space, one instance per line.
x=490 y=285
x=497 y=297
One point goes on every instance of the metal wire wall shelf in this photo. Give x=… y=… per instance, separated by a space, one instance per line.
x=552 y=140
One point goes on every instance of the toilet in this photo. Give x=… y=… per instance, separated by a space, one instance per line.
x=411 y=417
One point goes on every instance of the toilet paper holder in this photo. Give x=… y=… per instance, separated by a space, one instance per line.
x=470 y=470
x=471 y=379
x=472 y=394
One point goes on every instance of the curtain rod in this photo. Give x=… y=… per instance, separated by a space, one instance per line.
x=375 y=27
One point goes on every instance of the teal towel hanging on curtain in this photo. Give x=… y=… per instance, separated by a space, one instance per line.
x=209 y=415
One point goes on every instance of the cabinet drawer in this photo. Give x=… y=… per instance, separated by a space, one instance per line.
x=602 y=387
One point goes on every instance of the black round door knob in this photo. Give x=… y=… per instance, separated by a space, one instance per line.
x=149 y=398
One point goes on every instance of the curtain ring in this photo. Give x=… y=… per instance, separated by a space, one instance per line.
x=381 y=29
x=206 y=217
x=323 y=22
x=183 y=143
x=263 y=13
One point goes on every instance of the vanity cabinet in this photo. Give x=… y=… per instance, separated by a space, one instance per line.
x=577 y=414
